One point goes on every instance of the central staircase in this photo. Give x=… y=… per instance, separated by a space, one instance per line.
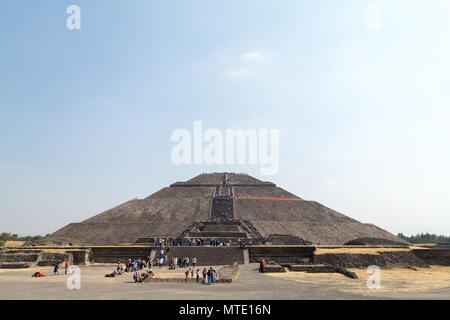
x=222 y=208
x=219 y=230
x=222 y=226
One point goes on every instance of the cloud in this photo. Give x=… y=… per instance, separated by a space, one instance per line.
x=331 y=182
x=242 y=71
x=236 y=72
x=254 y=56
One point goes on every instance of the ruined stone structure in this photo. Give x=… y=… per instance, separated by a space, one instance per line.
x=31 y=257
x=280 y=227
x=225 y=206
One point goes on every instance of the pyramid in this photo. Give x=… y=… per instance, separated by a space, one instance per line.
x=221 y=205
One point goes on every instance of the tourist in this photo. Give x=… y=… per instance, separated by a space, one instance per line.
x=213 y=275
x=111 y=275
x=56 y=270
x=136 y=276
x=66 y=267
x=186 y=274
x=204 y=274
x=194 y=261
x=261 y=265
x=38 y=274
x=162 y=253
x=198 y=275
x=209 y=275
x=118 y=266
x=161 y=261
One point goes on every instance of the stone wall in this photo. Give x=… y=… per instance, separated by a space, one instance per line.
x=280 y=254
x=119 y=254
x=205 y=255
x=434 y=256
x=389 y=259
x=52 y=258
x=81 y=257
x=21 y=257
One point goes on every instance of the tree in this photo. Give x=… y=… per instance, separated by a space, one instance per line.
x=425 y=238
x=5 y=236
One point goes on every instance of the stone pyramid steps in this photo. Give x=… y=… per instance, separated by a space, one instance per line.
x=229 y=230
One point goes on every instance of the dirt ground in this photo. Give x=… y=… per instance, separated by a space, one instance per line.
x=374 y=251
x=391 y=280
x=432 y=283
x=13 y=244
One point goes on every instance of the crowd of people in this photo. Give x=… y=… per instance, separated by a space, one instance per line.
x=199 y=242
x=142 y=269
x=208 y=275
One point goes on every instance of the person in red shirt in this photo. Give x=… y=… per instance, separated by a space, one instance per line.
x=66 y=267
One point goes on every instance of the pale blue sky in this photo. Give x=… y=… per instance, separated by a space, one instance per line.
x=86 y=115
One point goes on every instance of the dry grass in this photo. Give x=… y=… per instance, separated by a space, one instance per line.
x=13 y=244
x=392 y=280
x=373 y=251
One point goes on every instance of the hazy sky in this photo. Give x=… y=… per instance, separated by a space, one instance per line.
x=362 y=103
